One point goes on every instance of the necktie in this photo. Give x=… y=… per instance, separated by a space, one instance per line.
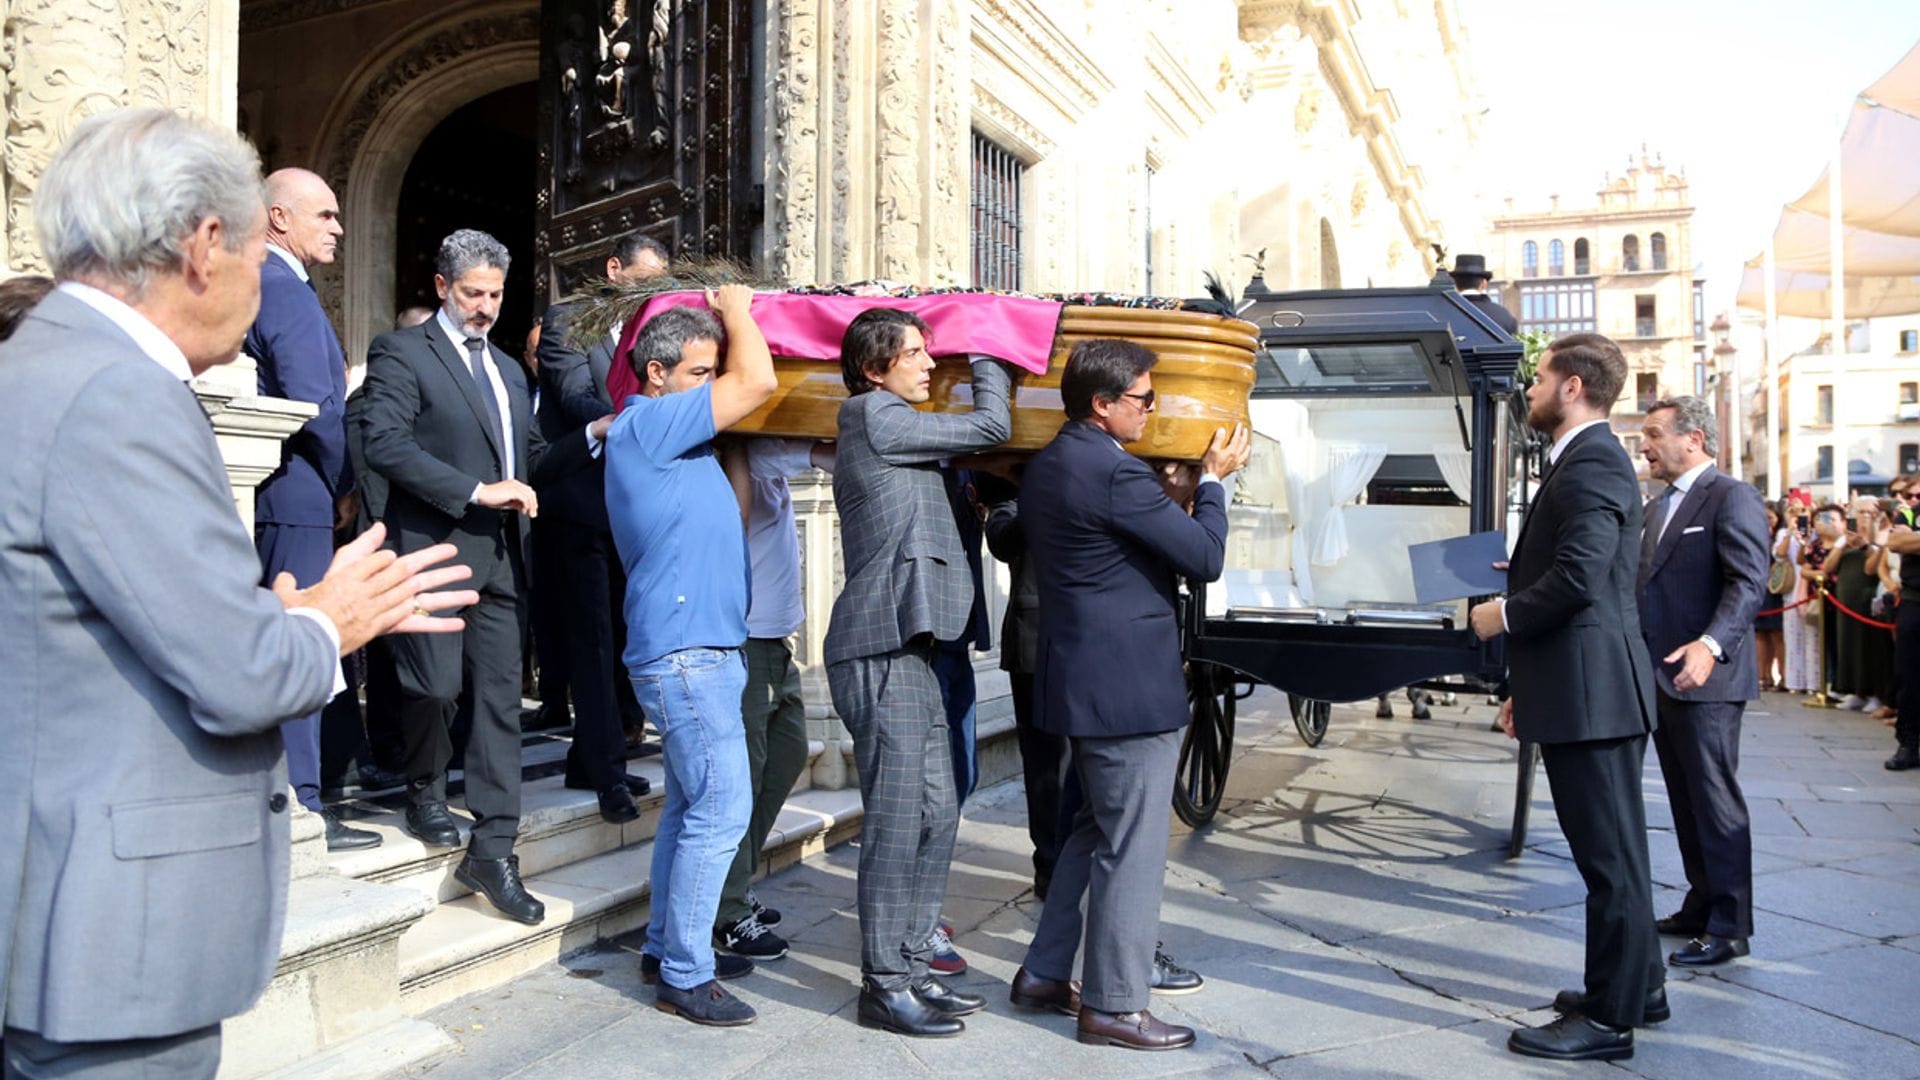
x=476 y=353
x=1657 y=526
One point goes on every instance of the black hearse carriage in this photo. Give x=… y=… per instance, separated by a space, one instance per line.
x=1382 y=418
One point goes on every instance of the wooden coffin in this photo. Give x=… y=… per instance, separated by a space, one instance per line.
x=1201 y=383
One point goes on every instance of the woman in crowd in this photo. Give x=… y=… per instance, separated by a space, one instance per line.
x=1884 y=565
x=1802 y=627
x=1863 y=654
x=1768 y=627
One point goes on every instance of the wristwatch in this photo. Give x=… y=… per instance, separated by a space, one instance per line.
x=1719 y=654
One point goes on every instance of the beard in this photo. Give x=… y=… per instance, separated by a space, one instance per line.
x=1545 y=418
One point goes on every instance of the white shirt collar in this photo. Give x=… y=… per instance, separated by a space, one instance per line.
x=293 y=263
x=1560 y=444
x=1691 y=477
x=454 y=333
x=157 y=345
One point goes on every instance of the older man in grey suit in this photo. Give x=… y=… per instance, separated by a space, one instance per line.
x=908 y=586
x=143 y=791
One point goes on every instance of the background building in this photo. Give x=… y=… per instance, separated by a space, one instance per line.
x=1622 y=267
x=1869 y=429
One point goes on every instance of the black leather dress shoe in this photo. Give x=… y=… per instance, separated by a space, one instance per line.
x=1573 y=1038
x=948 y=1000
x=344 y=837
x=1135 y=1031
x=1903 y=759
x=1573 y=1002
x=430 y=824
x=1707 y=951
x=637 y=786
x=616 y=805
x=1170 y=978
x=499 y=881
x=1678 y=925
x=905 y=1012
x=709 y=1005
x=725 y=966
x=1033 y=992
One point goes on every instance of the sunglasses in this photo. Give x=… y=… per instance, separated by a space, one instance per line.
x=1145 y=399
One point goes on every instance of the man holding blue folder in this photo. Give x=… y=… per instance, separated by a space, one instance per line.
x=1582 y=688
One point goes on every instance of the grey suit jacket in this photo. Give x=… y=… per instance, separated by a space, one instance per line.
x=143 y=806
x=906 y=571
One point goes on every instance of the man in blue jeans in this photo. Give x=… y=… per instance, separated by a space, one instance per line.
x=678 y=528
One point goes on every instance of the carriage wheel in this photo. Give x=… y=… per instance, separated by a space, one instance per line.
x=1208 y=747
x=1310 y=718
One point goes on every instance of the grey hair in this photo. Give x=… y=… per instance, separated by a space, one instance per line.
x=465 y=249
x=667 y=334
x=119 y=199
x=1691 y=414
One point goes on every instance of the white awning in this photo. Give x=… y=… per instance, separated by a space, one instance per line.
x=1804 y=294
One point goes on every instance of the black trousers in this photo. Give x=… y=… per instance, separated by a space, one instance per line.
x=1597 y=797
x=1043 y=763
x=1906 y=666
x=191 y=1055
x=576 y=569
x=1699 y=747
x=431 y=669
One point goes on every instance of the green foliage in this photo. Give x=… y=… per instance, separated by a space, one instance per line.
x=1536 y=342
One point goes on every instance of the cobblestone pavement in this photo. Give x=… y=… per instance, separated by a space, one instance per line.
x=1354 y=914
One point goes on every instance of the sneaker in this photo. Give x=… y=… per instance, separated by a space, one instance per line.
x=767 y=916
x=711 y=1005
x=1873 y=705
x=750 y=939
x=1853 y=702
x=725 y=966
x=945 y=959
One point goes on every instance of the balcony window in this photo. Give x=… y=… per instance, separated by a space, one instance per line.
x=1558 y=308
x=1556 y=259
x=1582 y=263
x=1644 y=323
x=1909 y=393
x=1823 y=469
x=1823 y=405
x=1630 y=253
x=1646 y=390
x=1658 y=241
x=1530 y=259
x=1910 y=341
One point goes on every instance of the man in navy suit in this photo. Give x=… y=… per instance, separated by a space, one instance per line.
x=1106 y=542
x=300 y=359
x=1703 y=570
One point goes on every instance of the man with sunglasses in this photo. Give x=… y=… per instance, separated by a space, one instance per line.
x=1107 y=541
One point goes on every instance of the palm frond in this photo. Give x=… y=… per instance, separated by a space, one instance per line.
x=605 y=305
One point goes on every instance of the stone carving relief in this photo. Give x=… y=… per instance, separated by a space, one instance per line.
x=952 y=154
x=795 y=190
x=64 y=64
x=1032 y=140
x=896 y=145
x=67 y=60
x=845 y=84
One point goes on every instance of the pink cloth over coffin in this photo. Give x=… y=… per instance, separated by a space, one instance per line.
x=1016 y=329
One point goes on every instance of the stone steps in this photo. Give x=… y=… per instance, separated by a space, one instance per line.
x=463 y=945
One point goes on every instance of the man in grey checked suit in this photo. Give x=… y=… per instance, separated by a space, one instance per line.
x=907 y=587
x=143 y=791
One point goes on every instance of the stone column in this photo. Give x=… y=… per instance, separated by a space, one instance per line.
x=865 y=184
x=66 y=60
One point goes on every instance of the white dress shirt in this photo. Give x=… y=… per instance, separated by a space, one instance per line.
x=161 y=350
x=1680 y=488
x=293 y=262
x=459 y=339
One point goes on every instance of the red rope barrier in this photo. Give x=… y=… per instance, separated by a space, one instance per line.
x=1781 y=610
x=1856 y=616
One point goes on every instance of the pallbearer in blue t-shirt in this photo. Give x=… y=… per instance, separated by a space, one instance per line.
x=678 y=527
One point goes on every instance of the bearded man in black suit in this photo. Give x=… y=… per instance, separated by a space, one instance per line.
x=1582 y=688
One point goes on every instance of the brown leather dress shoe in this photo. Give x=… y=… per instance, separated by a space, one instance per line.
x=1034 y=992
x=1134 y=1030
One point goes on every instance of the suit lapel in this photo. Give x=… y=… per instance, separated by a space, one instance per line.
x=519 y=404
x=456 y=366
x=1690 y=510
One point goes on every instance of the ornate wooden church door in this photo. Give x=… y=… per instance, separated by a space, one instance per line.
x=643 y=112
